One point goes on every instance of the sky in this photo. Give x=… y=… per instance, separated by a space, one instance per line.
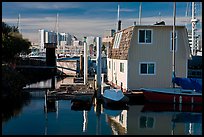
x=92 y=18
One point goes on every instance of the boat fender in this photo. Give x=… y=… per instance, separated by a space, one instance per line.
x=180 y=99
x=174 y=99
x=192 y=100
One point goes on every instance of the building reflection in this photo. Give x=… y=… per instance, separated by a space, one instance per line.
x=118 y=123
x=137 y=121
x=166 y=122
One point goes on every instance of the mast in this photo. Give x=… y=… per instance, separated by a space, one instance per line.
x=57 y=31
x=140 y=13
x=194 y=21
x=173 y=42
x=18 y=23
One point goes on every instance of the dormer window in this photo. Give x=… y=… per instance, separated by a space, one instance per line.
x=117 y=39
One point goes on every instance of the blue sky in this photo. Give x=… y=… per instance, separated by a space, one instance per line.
x=89 y=18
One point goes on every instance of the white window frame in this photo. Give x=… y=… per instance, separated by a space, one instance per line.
x=147 y=68
x=176 y=38
x=145 y=36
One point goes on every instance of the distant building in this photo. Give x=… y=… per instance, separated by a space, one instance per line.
x=46 y=37
x=91 y=43
x=65 y=38
x=107 y=39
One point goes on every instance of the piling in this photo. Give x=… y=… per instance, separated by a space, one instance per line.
x=81 y=66
x=98 y=63
x=85 y=62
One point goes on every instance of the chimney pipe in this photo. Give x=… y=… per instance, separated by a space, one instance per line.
x=119 y=25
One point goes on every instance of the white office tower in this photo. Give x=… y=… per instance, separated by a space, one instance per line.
x=41 y=39
x=46 y=37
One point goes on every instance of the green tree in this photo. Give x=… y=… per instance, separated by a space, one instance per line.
x=13 y=43
x=104 y=48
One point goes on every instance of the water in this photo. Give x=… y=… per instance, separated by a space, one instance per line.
x=32 y=119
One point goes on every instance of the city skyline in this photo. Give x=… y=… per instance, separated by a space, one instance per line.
x=91 y=18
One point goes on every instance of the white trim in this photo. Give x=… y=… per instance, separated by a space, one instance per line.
x=176 y=46
x=138 y=40
x=147 y=69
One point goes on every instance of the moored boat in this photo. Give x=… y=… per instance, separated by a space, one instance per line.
x=189 y=92
x=114 y=97
x=172 y=95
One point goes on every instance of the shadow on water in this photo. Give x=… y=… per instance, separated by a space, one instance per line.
x=12 y=106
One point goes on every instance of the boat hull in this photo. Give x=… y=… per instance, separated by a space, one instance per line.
x=120 y=102
x=160 y=107
x=172 y=97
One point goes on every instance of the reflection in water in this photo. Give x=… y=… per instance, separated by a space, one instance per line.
x=138 y=120
x=12 y=106
x=57 y=117
x=166 y=122
x=85 y=123
x=118 y=122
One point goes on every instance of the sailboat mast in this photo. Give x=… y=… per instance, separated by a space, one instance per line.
x=173 y=42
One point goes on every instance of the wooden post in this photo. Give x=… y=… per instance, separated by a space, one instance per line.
x=81 y=65
x=85 y=62
x=98 y=63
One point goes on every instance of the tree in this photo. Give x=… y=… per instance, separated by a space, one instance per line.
x=104 y=48
x=13 y=43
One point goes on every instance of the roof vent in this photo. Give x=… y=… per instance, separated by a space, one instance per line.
x=160 y=23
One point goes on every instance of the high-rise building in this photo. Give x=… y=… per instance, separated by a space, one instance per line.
x=46 y=37
x=65 y=38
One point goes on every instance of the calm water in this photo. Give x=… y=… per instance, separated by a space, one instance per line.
x=62 y=120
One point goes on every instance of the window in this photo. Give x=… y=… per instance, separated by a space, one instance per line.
x=171 y=39
x=121 y=67
x=145 y=36
x=146 y=122
x=147 y=68
x=117 y=40
x=109 y=65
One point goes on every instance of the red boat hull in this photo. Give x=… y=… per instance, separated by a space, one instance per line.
x=159 y=107
x=152 y=96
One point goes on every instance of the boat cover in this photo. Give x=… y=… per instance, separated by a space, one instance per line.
x=113 y=94
x=189 y=83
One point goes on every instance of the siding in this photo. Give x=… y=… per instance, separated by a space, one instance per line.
x=159 y=52
x=116 y=76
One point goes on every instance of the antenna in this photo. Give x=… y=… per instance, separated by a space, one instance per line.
x=57 y=30
x=140 y=13
x=186 y=14
x=118 y=12
x=18 y=23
